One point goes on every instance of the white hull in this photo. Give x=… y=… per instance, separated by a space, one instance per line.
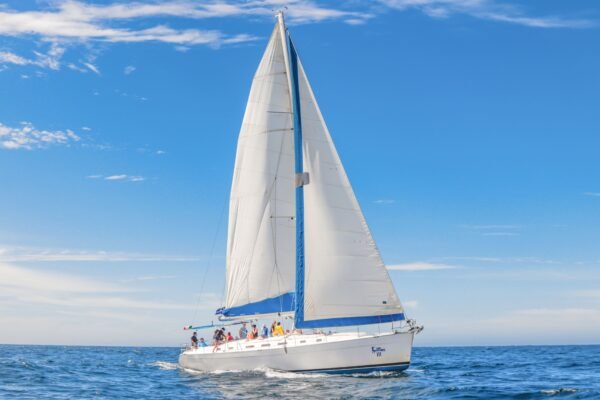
x=334 y=353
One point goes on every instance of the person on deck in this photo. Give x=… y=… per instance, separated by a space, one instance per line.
x=278 y=330
x=202 y=343
x=265 y=332
x=216 y=337
x=194 y=340
x=254 y=332
x=273 y=325
x=229 y=337
x=243 y=331
x=219 y=338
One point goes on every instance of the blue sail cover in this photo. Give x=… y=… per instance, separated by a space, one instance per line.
x=274 y=305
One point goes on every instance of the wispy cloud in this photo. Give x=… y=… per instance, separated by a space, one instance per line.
x=494 y=229
x=73 y=22
x=152 y=278
x=31 y=254
x=410 y=304
x=36 y=280
x=488 y=10
x=419 y=266
x=23 y=285
x=28 y=137
x=129 y=69
x=500 y=234
x=505 y=260
x=384 y=201
x=592 y=194
x=593 y=293
x=50 y=60
x=92 y=67
x=118 y=177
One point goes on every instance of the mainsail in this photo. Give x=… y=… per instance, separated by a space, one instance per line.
x=298 y=239
x=261 y=236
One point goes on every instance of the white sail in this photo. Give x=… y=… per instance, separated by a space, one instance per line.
x=345 y=280
x=261 y=236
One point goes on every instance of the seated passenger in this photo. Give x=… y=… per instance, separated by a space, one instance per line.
x=265 y=332
x=278 y=331
x=243 y=331
x=229 y=337
x=254 y=332
x=202 y=343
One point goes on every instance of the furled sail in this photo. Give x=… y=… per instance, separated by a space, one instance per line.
x=261 y=237
x=345 y=281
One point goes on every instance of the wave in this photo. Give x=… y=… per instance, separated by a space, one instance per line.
x=273 y=373
x=557 y=391
x=165 y=365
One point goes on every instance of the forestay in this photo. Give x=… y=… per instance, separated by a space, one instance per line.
x=261 y=236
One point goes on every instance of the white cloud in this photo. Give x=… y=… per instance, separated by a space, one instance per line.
x=492 y=226
x=26 y=136
x=37 y=281
x=494 y=230
x=30 y=254
x=50 y=60
x=92 y=67
x=384 y=201
x=118 y=177
x=129 y=69
x=500 y=234
x=505 y=260
x=71 y=19
x=75 y=22
x=485 y=9
x=154 y=277
x=419 y=266
x=85 y=128
x=410 y=304
x=594 y=293
x=593 y=194
x=11 y=58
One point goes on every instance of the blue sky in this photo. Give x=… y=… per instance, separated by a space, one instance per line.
x=469 y=129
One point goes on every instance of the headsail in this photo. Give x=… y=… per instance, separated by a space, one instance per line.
x=261 y=236
x=344 y=280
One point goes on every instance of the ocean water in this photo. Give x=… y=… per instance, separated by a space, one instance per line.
x=518 y=372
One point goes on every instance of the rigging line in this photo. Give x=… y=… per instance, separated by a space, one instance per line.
x=209 y=263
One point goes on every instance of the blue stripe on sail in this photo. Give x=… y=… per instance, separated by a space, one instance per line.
x=346 y=321
x=299 y=169
x=283 y=303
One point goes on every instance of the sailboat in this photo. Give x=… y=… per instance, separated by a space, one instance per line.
x=298 y=244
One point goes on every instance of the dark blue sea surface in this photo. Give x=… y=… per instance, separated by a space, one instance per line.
x=518 y=372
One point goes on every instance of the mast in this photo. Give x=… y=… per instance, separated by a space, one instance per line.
x=301 y=177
